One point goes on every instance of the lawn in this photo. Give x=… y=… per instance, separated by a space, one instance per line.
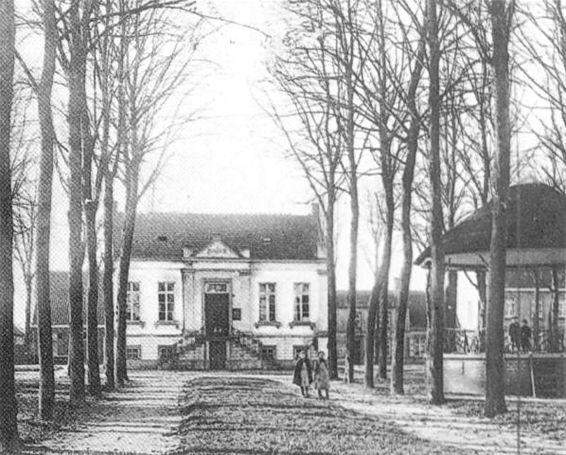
x=230 y=414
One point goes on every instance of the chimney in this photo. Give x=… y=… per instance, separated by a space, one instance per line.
x=216 y=237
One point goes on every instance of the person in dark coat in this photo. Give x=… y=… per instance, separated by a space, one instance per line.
x=525 y=336
x=303 y=374
x=515 y=334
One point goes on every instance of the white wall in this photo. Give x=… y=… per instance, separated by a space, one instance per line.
x=244 y=280
x=149 y=333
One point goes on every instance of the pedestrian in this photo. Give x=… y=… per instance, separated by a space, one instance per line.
x=526 y=336
x=515 y=334
x=322 y=378
x=303 y=374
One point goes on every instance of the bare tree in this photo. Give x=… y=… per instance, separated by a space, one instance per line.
x=9 y=438
x=435 y=383
x=501 y=13
x=44 y=195
x=549 y=55
x=412 y=142
x=305 y=76
x=346 y=28
x=151 y=81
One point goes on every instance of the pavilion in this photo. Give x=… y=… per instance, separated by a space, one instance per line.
x=536 y=241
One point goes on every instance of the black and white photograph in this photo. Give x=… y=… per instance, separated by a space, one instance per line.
x=283 y=227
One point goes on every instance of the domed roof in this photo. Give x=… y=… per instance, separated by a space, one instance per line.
x=536 y=220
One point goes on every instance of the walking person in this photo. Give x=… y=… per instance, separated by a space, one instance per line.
x=303 y=374
x=322 y=378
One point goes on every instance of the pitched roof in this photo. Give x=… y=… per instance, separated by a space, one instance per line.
x=536 y=219
x=162 y=236
x=59 y=294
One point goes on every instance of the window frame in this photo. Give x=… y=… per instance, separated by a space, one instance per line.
x=166 y=289
x=299 y=294
x=130 y=306
x=267 y=301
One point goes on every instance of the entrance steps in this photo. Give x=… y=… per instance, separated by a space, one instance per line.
x=243 y=352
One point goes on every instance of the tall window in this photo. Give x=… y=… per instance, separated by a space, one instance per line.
x=133 y=301
x=267 y=302
x=166 y=299
x=302 y=302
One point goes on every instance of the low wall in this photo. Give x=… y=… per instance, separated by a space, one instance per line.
x=465 y=374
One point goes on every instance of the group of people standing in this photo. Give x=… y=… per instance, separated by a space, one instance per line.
x=520 y=335
x=307 y=372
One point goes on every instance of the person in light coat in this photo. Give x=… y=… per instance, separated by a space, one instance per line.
x=303 y=374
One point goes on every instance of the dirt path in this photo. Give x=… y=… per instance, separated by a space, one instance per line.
x=442 y=424
x=142 y=418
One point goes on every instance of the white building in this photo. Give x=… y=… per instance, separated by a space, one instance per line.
x=225 y=291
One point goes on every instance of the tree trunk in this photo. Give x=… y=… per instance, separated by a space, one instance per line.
x=108 y=281
x=331 y=272
x=435 y=385
x=555 y=313
x=384 y=289
x=482 y=293
x=352 y=271
x=495 y=363
x=29 y=297
x=43 y=233
x=9 y=439
x=354 y=204
x=398 y=351
x=387 y=177
x=124 y=270
x=77 y=65
x=371 y=333
x=375 y=295
x=536 y=326
x=92 y=300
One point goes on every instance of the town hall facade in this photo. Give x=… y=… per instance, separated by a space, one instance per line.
x=225 y=291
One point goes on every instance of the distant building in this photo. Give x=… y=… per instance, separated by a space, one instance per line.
x=59 y=294
x=416 y=319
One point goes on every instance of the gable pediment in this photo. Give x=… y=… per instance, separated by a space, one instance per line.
x=217 y=249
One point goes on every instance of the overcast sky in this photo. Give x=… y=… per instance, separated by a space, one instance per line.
x=232 y=158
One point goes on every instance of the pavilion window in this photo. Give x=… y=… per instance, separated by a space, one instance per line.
x=166 y=300
x=510 y=305
x=302 y=301
x=267 y=297
x=133 y=301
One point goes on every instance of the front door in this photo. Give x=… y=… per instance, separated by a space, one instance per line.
x=217 y=324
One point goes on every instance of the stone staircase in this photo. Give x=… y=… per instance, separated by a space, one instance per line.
x=244 y=352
